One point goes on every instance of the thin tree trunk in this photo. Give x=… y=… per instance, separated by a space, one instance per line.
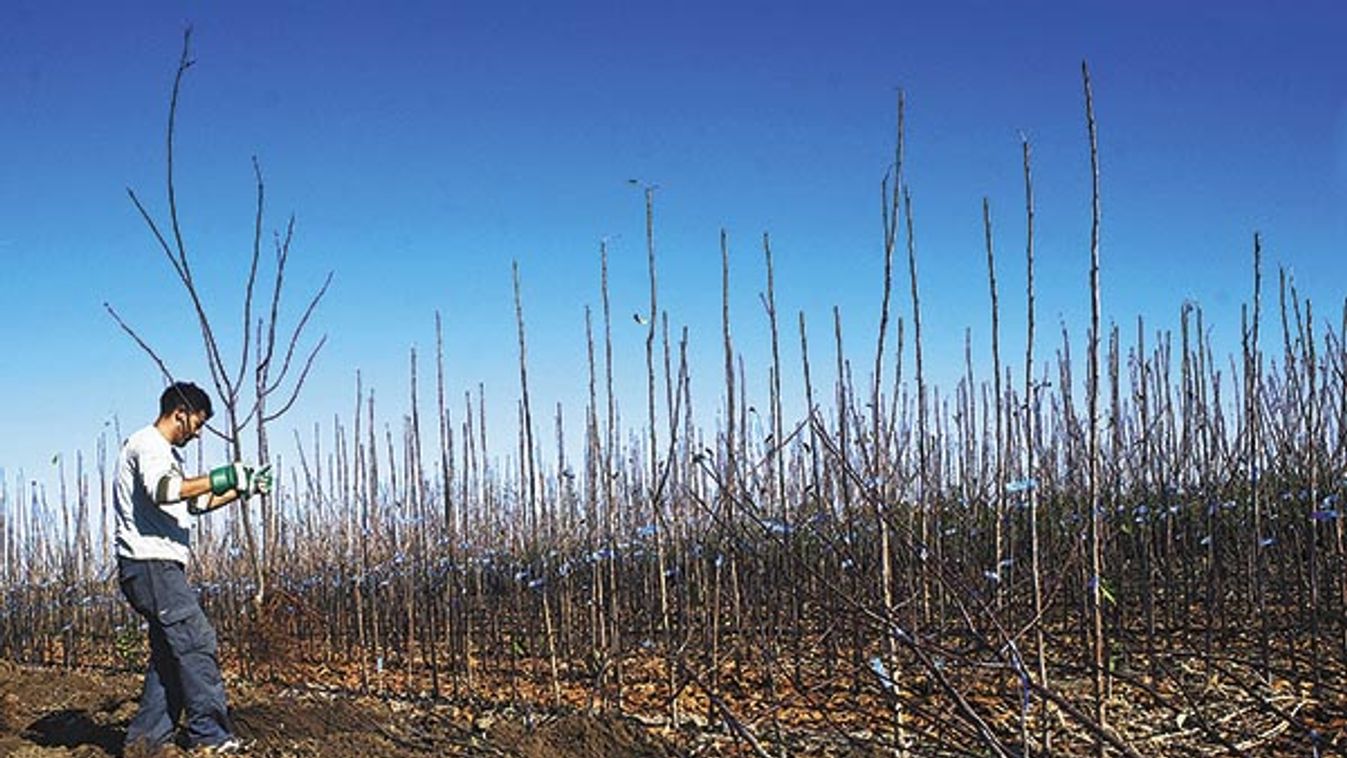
x=1092 y=503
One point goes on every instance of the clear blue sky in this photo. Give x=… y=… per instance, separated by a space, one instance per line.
x=423 y=146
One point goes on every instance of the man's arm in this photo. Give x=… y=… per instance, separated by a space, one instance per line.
x=202 y=493
x=193 y=489
x=162 y=477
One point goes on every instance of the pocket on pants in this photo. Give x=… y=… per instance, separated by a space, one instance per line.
x=193 y=634
x=177 y=609
x=174 y=601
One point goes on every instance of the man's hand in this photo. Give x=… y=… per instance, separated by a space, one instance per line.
x=259 y=482
x=242 y=477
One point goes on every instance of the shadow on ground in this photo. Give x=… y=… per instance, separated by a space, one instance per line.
x=72 y=728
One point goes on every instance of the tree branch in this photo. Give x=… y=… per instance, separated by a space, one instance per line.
x=299 y=383
x=294 y=337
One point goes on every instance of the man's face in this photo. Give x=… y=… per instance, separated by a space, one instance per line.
x=187 y=426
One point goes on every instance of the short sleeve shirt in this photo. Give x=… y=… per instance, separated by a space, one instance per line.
x=147 y=530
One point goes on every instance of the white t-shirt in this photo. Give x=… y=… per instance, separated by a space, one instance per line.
x=147 y=530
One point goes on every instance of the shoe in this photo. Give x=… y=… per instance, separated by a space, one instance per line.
x=231 y=746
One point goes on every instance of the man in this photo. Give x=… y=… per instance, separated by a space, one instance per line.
x=155 y=507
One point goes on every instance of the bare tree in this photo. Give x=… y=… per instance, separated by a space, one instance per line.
x=245 y=403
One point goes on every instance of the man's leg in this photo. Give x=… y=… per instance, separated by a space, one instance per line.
x=203 y=690
x=152 y=724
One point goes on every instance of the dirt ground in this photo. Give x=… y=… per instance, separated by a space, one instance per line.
x=50 y=713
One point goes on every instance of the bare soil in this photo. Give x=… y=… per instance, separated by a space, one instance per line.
x=48 y=712
x=1216 y=708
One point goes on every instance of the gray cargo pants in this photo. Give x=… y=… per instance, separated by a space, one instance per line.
x=184 y=670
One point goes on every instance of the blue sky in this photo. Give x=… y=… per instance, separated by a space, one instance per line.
x=424 y=146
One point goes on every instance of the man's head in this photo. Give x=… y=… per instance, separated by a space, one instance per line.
x=184 y=409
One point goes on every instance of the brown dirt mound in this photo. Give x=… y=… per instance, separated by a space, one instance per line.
x=295 y=719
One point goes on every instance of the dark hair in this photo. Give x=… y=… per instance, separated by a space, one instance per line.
x=187 y=396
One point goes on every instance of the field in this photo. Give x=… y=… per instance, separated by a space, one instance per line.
x=45 y=711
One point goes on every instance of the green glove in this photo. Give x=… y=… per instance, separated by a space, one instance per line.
x=225 y=478
x=242 y=477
